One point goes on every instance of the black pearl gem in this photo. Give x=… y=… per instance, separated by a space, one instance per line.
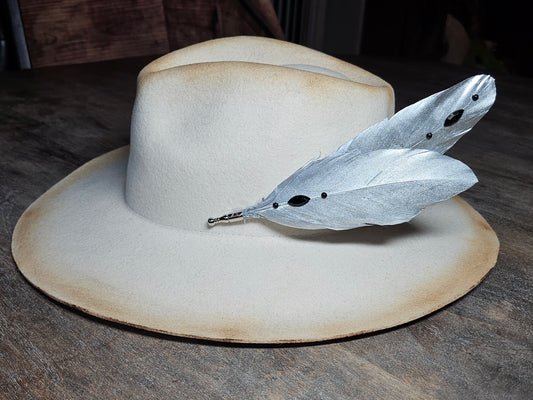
x=453 y=118
x=324 y=195
x=298 y=201
x=475 y=97
x=429 y=135
x=275 y=205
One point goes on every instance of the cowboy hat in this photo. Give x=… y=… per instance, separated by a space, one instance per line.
x=218 y=125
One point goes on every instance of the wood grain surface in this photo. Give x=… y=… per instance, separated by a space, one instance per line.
x=53 y=120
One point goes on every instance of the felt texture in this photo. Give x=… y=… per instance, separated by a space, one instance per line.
x=219 y=134
x=125 y=237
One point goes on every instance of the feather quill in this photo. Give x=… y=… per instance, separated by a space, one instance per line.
x=387 y=174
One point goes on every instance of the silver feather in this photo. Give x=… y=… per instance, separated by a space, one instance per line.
x=388 y=173
x=471 y=99
x=384 y=187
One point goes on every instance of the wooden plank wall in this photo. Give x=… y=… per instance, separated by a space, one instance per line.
x=193 y=21
x=80 y=31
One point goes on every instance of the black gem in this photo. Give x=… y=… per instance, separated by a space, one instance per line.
x=275 y=205
x=475 y=97
x=429 y=135
x=453 y=118
x=324 y=195
x=298 y=201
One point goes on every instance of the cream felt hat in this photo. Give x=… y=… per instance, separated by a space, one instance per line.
x=219 y=125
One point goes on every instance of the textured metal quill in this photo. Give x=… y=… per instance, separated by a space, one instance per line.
x=388 y=173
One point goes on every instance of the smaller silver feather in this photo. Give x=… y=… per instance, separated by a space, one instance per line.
x=434 y=123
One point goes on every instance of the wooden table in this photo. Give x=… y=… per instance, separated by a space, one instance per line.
x=53 y=120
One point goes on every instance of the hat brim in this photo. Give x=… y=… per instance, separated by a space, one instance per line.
x=82 y=245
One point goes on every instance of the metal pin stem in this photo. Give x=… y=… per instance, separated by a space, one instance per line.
x=233 y=217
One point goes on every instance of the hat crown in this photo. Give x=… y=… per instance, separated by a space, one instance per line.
x=217 y=126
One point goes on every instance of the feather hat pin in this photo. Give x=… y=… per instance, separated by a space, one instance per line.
x=388 y=173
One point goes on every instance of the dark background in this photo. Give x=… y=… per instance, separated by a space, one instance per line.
x=499 y=33
x=416 y=29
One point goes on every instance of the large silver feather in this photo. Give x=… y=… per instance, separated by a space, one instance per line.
x=388 y=173
x=384 y=187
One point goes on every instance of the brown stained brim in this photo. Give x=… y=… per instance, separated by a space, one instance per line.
x=82 y=245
